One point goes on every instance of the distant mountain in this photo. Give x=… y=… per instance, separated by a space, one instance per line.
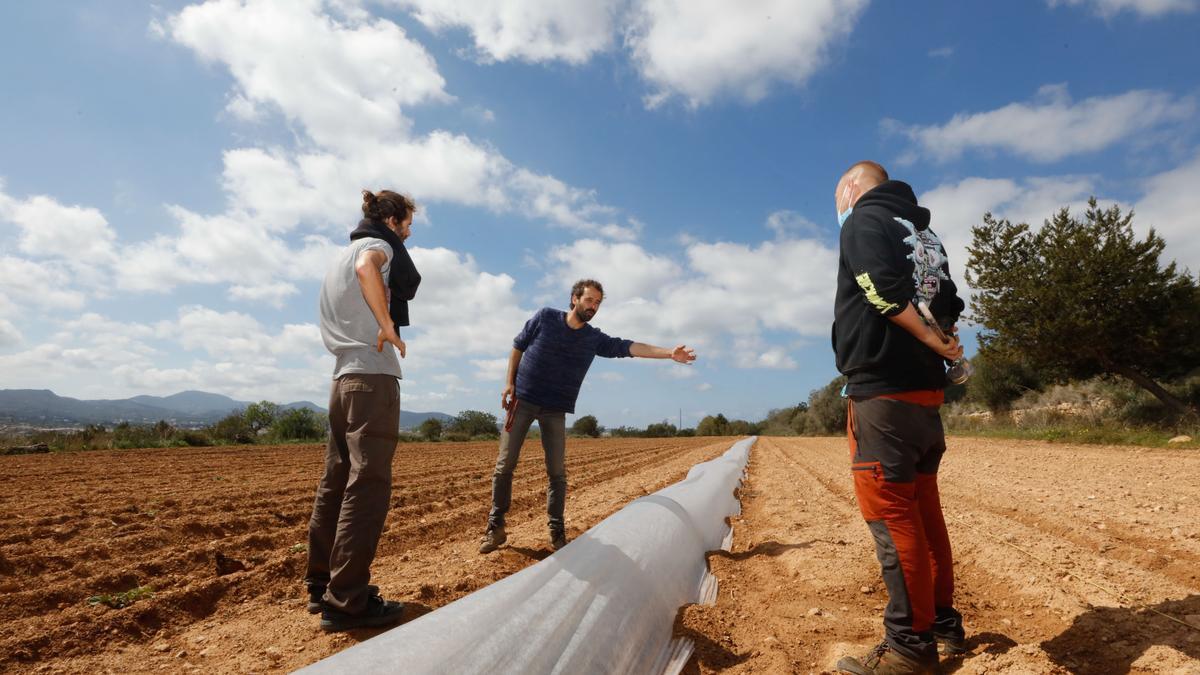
x=412 y=420
x=44 y=408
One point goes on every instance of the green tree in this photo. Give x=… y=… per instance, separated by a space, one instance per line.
x=233 y=428
x=261 y=415
x=299 y=424
x=1085 y=297
x=662 y=429
x=586 y=426
x=430 y=429
x=713 y=426
x=475 y=423
x=826 y=409
x=998 y=381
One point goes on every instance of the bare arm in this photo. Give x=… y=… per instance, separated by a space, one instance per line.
x=912 y=322
x=510 y=386
x=369 y=269
x=680 y=354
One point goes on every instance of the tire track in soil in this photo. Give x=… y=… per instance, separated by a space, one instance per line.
x=791 y=591
x=254 y=619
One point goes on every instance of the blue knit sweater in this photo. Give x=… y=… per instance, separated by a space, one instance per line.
x=557 y=357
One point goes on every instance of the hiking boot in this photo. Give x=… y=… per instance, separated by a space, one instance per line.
x=558 y=539
x=379 y=612
x=493 y=539
x=950 y=644
x=883 y=660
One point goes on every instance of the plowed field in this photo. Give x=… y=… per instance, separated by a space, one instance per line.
x=218 y=534
x=1068 y=559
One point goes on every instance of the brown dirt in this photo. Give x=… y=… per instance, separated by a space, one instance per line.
x=218 y=534
x=1066 y=559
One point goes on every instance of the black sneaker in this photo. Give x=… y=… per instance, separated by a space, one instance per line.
x=316 y=596
x=379 y=612
x=558 y=540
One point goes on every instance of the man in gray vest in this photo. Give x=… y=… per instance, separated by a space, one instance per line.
x=360 y=329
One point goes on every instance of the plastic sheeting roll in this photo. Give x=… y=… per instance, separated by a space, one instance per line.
x=605 y=603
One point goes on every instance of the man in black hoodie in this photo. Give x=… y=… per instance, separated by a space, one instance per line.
x=895 y=366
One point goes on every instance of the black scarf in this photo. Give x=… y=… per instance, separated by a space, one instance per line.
x=403 y=277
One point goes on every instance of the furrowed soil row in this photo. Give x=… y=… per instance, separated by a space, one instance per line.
x=171 y=518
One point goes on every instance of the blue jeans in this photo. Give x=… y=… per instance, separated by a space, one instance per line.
x=554 y=442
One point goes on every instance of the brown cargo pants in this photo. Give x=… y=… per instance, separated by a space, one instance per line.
x=353 y=495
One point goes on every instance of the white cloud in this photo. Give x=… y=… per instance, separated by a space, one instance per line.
x=754 y=353
x=704 y=386
x=491 y=370
x=1051 y=127
x=272 y=293
x=461 y=309
x=1169 y=205
x=9 y=335
x=1143 y=8
x=789 y=224
x=529 y=30
x=941 y=53
x=626 y=270
x=726 y=292
x=957 y=207
x=701 y=49
x=38 y=285
x=344 y=81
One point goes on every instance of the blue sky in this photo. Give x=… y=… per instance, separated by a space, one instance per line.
x=174 y=176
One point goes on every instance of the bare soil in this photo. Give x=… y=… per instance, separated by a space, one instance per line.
x=1068 y=559
x=219 y=534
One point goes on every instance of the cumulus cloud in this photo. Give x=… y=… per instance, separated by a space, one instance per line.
x=701 y=49
x=1169 y=204
x=694 y=50
x=9 y=335
x=344 y=81
x=1143 y=8
x=720 y=299
x=1050 y=127
x=347 y=97
x=538 y=30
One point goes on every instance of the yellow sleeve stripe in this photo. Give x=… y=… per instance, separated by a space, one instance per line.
x=868 y=286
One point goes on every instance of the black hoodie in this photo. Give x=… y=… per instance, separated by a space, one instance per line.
x=889 y=259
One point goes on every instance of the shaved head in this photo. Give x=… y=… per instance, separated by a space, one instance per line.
x=857 y=181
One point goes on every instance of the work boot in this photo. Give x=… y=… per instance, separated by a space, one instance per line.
x=558 y=539
x=492 y=540
x=883 y=660
x=379 y=612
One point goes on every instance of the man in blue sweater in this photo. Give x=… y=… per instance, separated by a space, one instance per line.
x=549 y=360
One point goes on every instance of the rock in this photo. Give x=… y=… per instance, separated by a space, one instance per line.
x=815 y=611
x=865 y=589
x=273 y=653
x=161 y=647
x=205 y=652
x=181 y=653
x=1181 y=439
x=226 y=565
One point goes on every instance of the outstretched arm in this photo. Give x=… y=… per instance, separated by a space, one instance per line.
x=680 y=354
